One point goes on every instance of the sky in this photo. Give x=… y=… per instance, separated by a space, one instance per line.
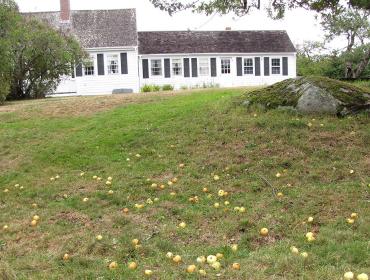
x=300 y=24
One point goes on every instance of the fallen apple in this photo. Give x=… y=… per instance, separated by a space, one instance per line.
x=85 y=199
x=211 y=259
x=135 y=242
x=216 y=205
x=36 y=218
x=113 y=265
x=349 y=275
x=201 y=259
x=362 y=276
x=350 y=221
x=148 y=272
x=234 y=247
x=304 y=254
x=310 y=219
x=66 y=257
x=6 y=227
x=202 y=272
x=264 y=232
x=99 y=237
x=354 y=216
x=216 y=265
x=216 y=177
x=169 y=255
x=191 y=268
x=219 y=256
x=294 y=250
x=177 y=259
x=34 y=223
x=132 y=265
x=182 y=225
x=236 y=266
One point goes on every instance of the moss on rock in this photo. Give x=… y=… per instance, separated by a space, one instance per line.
x=289 y=92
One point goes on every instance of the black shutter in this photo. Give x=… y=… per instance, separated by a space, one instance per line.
x=257 y=66
x=285 y=66
x=145 y=69
x=267 y=66
x=194 y=67
x=167 y=68
x=213 y=67
x=100 y=64
x=186 y=67
x=239 y=66
x=72 y=71
x=79 y=70
x=124 y=67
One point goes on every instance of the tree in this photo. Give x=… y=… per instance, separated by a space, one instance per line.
x=42 y=56
x=8 y=20
x=33 y=55
x=277 y=8
x=354 y=25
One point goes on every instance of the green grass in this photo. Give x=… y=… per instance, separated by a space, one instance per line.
x=211 y=135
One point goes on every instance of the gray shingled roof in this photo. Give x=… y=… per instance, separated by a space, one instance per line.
x=214 y=42
x=98 y=28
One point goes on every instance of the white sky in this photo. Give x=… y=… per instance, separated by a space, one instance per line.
x=300 y=24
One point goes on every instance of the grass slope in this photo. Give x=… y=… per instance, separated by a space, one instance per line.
x=211 y=136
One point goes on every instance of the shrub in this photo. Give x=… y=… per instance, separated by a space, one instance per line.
x=146 y=88
x=156 y=88
x=4 y=90
x=167 y=87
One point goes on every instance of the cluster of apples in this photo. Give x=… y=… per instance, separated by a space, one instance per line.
x=16 y=186
x=352 y=218
x=295 y=251
x=35 y=220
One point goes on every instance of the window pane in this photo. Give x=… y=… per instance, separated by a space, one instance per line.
x=156 y=67
x=225 y=66
x=204 y=66
x=112 y=64
x=88 y=66
x=248 y=66
x=275 y=62
x=177 y=67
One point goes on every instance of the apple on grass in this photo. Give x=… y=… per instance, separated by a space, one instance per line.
x=264 y=232
x=191 y=268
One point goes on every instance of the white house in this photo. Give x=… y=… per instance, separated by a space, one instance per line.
x=123 y=60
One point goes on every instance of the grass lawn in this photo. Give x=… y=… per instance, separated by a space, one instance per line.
x=323 y=163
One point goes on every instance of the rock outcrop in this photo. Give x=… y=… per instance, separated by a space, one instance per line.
x=312 y=95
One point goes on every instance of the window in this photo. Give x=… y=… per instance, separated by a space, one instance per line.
x=204 y=66
x=89 y=66
x=112 y=64
x=156 y=67
x=177 y=67
x=275 y=63
x=225 y=66
x=248 y=66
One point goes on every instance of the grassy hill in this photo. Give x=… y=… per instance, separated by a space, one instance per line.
x=282 y=168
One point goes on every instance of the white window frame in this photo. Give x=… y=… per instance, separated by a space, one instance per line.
x=181 y=62
x=151 y=67
x=201 y=67
x=107 y=56
x=280 y=68
x=93 y=60
x=230 y=61
x=249 y=66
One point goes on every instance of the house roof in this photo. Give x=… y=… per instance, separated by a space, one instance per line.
x=97 y=28
x=215 y=42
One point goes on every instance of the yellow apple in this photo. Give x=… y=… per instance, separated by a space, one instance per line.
x=177 y=259
x=181 y=165
x=95 y=177
x=309 y=124
x=205 y=190
x=125 y=210
x=236 y=266
x=110 y=192
x=6 y=190
x=154 y=185
x=227 y=203
x=354 y=216
x=201 y=259
x=174 y=180
x=99 y=178
x=172 y=194
x=36 y=218
x=216 y=205
x=294 y=250
x=237 y=209
x=85 y=199
x=278 y=175
x=108 y=183
x=351 y=171
x=162 y=187
x=350 y=221
x=110 y=179
x=264 y=232
x=242 y=210
x=66 y=257
x=349 y=275
x=149 y=201
x=34 y=223
x=216 y=177
x=16 y=185
x=219 y=256
x=135 y=242
x=52 y=179
x=280 y=194
x=132 y=265
x=148 y=272
x=362 y=276
x=310 y=219
x=169 y=255
x=211 y=259
x=156 y=199
x=202 y=272
x=234 y=247
x=221 y=193
x=191 y=268
x=6 y=227
x=138 y=155
x=216 y=265
x=82 y=174
x=113 y=265
x=182 y=225
x=57 y=177
x=34 y=205
x=99 y=237
x=304 y=254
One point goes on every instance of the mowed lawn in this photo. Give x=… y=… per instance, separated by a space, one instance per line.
x=197 y=138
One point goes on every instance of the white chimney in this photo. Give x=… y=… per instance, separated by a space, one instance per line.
x=65 y=10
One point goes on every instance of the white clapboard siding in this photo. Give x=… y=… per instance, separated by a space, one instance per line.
x=223 y=80
x=104 y=84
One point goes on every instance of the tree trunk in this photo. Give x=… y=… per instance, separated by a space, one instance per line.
x=362 y=66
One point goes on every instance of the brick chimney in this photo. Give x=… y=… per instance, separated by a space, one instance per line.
x=228 y=28
x=65 y=10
